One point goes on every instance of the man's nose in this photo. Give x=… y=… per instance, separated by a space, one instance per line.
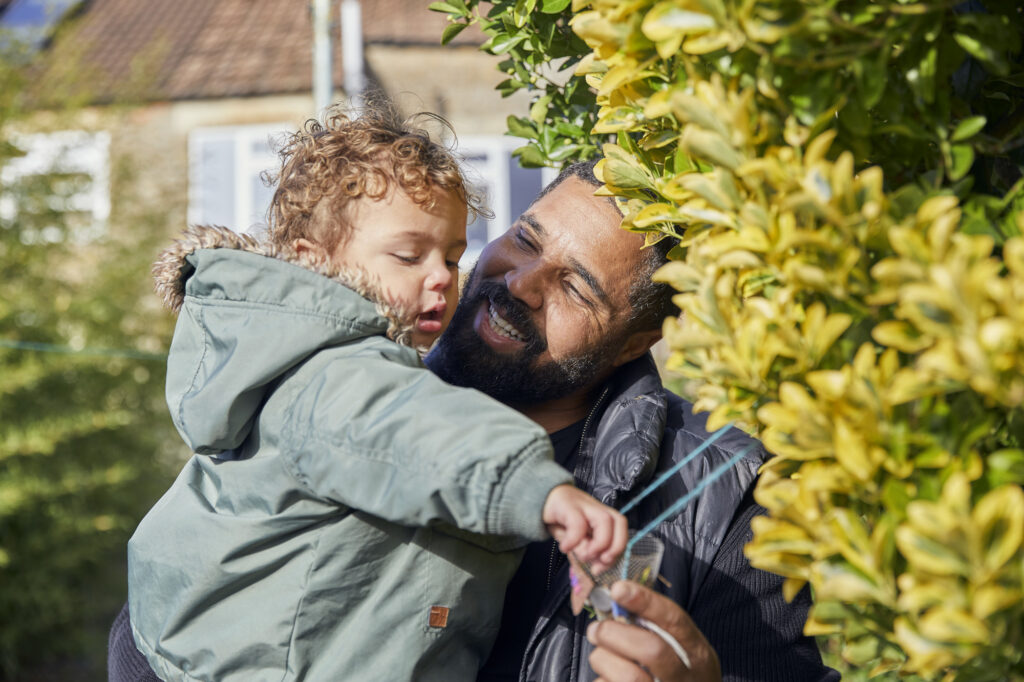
x=524 y=282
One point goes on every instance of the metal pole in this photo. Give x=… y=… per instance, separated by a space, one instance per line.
x=322 y=67
x=352 y=50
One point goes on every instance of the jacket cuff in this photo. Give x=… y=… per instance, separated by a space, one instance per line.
x=519 y=502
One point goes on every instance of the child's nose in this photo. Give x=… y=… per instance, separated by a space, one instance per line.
x=439 y=279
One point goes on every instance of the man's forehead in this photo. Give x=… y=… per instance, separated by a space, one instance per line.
x=581 y=191
x=571 y=209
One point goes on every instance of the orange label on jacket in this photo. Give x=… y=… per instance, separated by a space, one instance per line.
x=438 y=616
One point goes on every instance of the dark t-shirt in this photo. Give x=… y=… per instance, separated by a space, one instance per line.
x=525 y=595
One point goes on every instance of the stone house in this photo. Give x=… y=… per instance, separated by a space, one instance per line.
x=189 y=95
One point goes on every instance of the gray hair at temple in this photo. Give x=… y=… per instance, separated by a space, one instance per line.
x=650 y=302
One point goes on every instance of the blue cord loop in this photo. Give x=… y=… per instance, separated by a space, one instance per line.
x=678 y=506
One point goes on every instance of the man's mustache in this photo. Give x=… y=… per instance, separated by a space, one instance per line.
x=514 y=311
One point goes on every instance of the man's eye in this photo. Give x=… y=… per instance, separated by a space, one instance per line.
x=524 y=241
x=575 y=293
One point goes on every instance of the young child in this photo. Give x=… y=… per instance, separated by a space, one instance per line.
x=347 y=515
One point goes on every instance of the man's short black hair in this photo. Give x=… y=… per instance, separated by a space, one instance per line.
x=650 y=302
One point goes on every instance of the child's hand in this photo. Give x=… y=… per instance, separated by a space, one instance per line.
x=595 y=532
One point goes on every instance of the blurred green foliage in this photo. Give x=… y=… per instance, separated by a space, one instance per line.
x=85 y=442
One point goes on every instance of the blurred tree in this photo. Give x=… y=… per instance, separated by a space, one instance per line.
x=84 y=434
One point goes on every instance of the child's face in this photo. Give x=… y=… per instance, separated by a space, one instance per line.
x=413 y=251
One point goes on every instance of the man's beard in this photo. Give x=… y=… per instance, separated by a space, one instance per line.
x=462 y=358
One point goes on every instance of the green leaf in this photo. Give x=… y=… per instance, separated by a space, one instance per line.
x=969 y=127
x=872 y=77
x=447 y=8
x=563 y=149
x=521 y=127
x=554 y=6
x=521 y=12
x=963 y=159
x=509 y=86
x=452 y=30
x=981 y=51
x=503 y=42
x=530 y=156
x=1005 y=466
x=569 y=130
x=539 y=109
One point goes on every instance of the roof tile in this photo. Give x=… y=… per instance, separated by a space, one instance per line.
x=189 y=49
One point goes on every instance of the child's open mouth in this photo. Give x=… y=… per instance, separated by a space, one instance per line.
x=430 y=322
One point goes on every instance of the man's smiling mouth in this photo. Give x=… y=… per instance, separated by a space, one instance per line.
x=503 y=327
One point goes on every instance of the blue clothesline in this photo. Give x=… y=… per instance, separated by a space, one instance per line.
x=68 y=350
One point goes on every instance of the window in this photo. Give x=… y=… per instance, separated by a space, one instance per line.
x=508 y=188
x=225 y=187
x=60 y=186
x=224 y=175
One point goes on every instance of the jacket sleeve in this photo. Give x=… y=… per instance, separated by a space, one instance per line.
x=396 y=442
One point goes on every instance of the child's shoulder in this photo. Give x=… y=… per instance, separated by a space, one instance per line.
x=361 y=359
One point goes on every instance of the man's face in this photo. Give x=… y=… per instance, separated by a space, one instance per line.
x=544 y=312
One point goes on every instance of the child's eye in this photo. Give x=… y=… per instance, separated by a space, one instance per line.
x=406 y=258
x=452 y=263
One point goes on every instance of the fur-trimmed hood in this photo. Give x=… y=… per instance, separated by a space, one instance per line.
x=248 y=313
x=171 y=270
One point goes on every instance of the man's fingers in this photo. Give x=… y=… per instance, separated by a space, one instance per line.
x=610 y=666
x=635 y=646
x=657 y=608
x=666 y=614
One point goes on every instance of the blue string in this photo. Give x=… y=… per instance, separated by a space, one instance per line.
x=715 y=474
x=671 y=472
x=67 y=350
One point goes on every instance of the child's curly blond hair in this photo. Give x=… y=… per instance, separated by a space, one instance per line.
x=326 y=165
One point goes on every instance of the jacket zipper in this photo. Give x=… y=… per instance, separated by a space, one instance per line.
x=583 y=435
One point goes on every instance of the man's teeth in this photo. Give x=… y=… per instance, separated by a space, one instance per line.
x=501 y=326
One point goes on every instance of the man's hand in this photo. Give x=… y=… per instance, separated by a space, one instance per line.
x=594 y=532
x=628 y=653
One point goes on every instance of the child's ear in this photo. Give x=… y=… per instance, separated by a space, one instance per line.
x=305 y=247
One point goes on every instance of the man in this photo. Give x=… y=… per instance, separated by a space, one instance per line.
x=556 y=320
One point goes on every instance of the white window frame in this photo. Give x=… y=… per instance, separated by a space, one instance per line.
x=493 y=171
x=64 y=151
x=247 y=166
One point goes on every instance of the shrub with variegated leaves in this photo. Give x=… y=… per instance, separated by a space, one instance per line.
x=845 y=181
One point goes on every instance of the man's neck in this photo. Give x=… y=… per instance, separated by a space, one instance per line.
x=555 y=415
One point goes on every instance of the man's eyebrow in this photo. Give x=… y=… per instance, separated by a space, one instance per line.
x=588 y=277
x=532 y=222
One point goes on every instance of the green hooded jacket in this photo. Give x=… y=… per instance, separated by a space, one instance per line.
x=347 y=515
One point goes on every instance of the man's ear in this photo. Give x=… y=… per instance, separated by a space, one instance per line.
x=636 y=345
